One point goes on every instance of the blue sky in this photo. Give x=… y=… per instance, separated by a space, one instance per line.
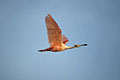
x=23 y=32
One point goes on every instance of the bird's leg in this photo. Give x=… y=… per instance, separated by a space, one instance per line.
x=48 y=49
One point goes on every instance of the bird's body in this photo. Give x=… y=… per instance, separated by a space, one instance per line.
x=56 y=48
x=56 y=39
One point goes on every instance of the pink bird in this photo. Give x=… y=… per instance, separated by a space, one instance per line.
x=56 y=39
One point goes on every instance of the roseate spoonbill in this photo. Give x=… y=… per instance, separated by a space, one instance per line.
x=56 y=39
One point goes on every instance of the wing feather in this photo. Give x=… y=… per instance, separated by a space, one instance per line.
x=53 y=30
x=64 y=39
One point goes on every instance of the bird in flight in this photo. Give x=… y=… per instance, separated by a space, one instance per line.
x=56 y=40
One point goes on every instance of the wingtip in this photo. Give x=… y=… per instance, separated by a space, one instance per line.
x=48 y=14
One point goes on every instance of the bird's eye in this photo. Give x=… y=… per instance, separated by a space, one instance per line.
x=75 y=45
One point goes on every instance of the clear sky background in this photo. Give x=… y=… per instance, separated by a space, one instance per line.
x=23 y=32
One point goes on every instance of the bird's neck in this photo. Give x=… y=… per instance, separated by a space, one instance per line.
x=64 y=47
x=68 y=47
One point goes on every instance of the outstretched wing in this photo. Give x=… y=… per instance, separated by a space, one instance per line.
x=53 y=30
x=64 y=39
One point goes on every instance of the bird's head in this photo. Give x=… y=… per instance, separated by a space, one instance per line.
x=77 y=45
